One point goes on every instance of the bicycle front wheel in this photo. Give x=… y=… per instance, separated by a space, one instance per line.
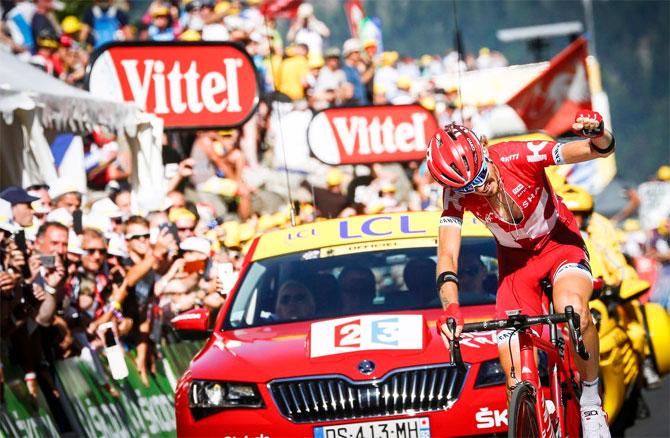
x=522 y=413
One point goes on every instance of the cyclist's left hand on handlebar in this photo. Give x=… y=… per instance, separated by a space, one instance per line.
x=589 y=124
x=453 y=310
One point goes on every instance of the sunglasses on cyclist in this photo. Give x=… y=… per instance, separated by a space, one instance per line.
x=478 y=181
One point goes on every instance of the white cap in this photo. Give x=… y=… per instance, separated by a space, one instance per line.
x=62 y=186
x=351 y=45
x=106 y=207
x=74 y=244
x=305 y=10
x=199 y=244
x=98 y=222
x=38 y=206
x=60 y=215
x=31 y=232
x=6 y=216
x=117 y=246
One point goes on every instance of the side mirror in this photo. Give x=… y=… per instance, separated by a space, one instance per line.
x=192 y=325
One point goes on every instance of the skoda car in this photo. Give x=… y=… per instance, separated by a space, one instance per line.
x=330 y=332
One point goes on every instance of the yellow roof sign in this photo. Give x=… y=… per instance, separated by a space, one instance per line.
x=358 y=230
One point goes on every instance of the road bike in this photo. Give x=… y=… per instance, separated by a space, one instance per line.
x=530 y=414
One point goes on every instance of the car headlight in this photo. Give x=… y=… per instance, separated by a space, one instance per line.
x=206 y=397
x=490 y=373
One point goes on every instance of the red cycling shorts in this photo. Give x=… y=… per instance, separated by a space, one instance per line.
x=522 y=270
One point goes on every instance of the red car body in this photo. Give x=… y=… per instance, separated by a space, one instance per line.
x=301 y=393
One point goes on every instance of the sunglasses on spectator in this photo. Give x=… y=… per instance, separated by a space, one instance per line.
x=89 y=251
x=478 y=181
x=186 y=228
x=137 y=236
x=295 y=299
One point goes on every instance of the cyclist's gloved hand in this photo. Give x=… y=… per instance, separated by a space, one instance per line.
x=453 y=310
x=588 y=124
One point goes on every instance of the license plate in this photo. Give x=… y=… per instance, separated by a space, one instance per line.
x=405 y=428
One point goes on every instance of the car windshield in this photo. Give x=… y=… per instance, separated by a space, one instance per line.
x=321 y=284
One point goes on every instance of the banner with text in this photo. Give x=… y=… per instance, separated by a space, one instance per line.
x=188 y=85
x=371 y=134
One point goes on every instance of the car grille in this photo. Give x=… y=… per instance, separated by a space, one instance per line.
x=403 y=391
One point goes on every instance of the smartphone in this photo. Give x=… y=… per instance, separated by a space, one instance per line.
x=172 y=229
x=77 y=223
x=194 y=266
x=20 y=240
x=107 y=331
x=48 y=261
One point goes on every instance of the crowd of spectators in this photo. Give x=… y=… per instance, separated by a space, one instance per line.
x=71 y=261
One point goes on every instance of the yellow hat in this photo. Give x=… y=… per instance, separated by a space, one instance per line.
x=160 y=11
x=222 y=7
x=404 y=82
x=316 y=61
x=426 y=59
x=190 y=35
x=484 y=51
x=180 y=213
x=220 y=186
x=71 y=24
x=387 y=187
x=388 y=58
x=378 y=89
x=369 y=43
x=232 y=234
x=334 y=177
x=428 y=102
x=630 y=225
x=576 y=198
x=246 y=232
x=375 y=208
x=663 y=173
x=213 y=238
x=265 y=222
x=226 y=132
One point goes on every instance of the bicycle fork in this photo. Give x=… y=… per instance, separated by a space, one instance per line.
x=529 y=373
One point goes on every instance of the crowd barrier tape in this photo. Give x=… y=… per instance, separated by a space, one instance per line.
x=98 y=406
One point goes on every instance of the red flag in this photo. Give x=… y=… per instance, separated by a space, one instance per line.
x=551 y=100
x=280 y=8
x=354 y=11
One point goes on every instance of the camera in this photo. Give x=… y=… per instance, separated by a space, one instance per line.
x=48 y=261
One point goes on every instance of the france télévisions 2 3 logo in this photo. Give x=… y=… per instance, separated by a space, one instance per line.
x=188 y=85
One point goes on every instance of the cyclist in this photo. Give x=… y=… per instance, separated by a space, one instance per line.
x=505 y=186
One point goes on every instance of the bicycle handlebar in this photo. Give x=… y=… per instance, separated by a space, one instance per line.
x=520 y=322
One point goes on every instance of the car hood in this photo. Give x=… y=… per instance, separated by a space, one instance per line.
x=262 y=354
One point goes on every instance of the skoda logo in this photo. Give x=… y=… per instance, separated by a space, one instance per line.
x=366 y=367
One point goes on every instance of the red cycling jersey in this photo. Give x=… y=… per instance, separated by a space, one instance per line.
x=521 y=168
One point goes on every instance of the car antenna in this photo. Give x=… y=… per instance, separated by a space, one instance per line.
x=281 y=129
x=459 y=48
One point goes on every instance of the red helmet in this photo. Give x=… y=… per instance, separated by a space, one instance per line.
x=454 y=156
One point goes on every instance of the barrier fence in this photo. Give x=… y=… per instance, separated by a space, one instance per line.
x=95 y=404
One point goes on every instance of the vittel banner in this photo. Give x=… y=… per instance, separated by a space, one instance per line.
x=188 y=85
x=371 y=134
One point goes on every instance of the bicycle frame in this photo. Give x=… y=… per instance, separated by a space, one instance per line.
x=559 y=381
